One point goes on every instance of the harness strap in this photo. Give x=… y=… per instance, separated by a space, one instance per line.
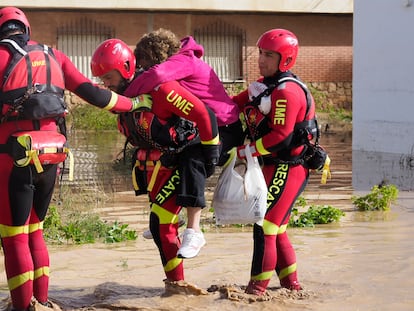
x=48 y=71
x=14 y=47
x=304 y=88
x=302 y=130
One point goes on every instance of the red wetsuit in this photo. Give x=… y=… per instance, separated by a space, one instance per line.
x=187 y=67
x=168 y=187
x=25 y=194
x=272 y=247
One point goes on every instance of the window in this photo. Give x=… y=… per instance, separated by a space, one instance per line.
x=223 y=49
x=79 y=40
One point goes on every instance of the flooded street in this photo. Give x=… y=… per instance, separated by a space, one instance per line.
x=364 y=262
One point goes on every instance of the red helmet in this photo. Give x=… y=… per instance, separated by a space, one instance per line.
x=113 y=54
x=281 y=41
x=9 y=14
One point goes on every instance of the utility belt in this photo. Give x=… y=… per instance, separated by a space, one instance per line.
x=38 y=148
x=151 y=160
x=291 y=160
x=312 y=157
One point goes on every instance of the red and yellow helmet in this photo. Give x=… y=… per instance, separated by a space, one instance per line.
x=113 y=54
x=8 y=18
x=281 y=41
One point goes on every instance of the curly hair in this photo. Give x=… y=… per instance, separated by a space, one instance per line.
x=155 y=47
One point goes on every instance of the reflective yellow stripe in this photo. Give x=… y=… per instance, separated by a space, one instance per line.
x=9 y=231
x=232 y=154
x=282 y=229
x=134 y=177
x=326 y=171
x=19 y=280
x=33 y=154
x=112 y=102
x=260 y=148
x=286 y=271
x=25 y=141
x=152 y=165
x=42 y=271
x=154 y=175
x=52 y=150
x=35 y=227
x=269 y=228
x=214 y=141
x=172 y=264
x=267 y=275
x=164 y=216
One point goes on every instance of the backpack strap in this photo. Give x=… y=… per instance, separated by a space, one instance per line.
x=304 y=88
x=17 y=52
x=305 y=124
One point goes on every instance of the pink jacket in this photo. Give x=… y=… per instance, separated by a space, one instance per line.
x=195 y=75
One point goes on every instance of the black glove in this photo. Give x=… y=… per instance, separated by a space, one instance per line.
x=211 y=156
x=184 y=132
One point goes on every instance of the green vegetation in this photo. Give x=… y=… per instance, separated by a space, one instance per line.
x=87 y=117
x=380 y=198
x=67 y=223
x=323 y=105
x=315 y=214
x=309 y=217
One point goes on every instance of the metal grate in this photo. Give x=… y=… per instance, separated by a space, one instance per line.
x=224 y=46
x=79 y=39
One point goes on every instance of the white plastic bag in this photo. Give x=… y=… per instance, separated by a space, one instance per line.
x=240 y=199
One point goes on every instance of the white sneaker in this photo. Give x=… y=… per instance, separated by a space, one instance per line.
x=192 y=243
x=147 y=234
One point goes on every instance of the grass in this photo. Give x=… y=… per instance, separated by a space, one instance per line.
x=74 y=221
x=87 y=117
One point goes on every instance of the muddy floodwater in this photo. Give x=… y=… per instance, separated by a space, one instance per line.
x=364 y=262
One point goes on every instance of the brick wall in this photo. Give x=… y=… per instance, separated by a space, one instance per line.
x=325 y=40
x=314 y=63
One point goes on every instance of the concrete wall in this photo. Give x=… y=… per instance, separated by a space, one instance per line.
x=383 y=93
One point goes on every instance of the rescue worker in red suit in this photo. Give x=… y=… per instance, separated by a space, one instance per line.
x=166 y=58
x=25 y=193
x=114 y=62
x=272 y=123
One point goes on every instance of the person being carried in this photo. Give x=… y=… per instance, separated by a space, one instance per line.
x=280 y=115
x=162 y=57
x=32 y=108
x=179 y=130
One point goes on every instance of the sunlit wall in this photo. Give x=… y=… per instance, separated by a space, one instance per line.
x=383 y=94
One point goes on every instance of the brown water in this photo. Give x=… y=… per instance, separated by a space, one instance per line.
x=364 y=262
